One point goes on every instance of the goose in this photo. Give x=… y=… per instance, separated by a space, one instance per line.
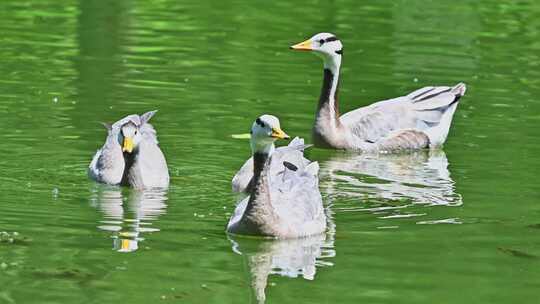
x=285 y=205
x=418 y=120
x=131 y=155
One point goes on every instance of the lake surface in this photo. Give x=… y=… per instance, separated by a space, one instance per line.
x=461 y=225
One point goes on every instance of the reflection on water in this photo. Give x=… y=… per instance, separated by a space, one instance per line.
x=418 y=178
x=128 y=213
x=287 y=258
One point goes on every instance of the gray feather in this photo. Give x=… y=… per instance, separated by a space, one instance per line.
x=149 y=169
x=291 y=153
x=387 y=124
x=287 y=201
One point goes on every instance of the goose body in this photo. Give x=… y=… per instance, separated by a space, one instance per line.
x=131 y=155
x=418 y=120
x=291 y=154
x=284 y=204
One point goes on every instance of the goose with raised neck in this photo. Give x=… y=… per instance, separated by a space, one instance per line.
x=418 y=120
x=274 y=207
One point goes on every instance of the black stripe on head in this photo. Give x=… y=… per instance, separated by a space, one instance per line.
x=333 y=38
x=339 y=52
x=259 y=122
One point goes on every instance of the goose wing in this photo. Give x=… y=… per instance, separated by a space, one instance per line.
x=291 y=154
x=107 y=165
x=150 y=168
x=421 y=110
x=296 y=199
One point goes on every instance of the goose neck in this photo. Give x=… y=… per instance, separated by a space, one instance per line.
x=260 y=160
x=328 y=100
x=129 y=161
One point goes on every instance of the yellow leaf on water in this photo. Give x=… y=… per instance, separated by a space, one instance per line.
x=241 y=136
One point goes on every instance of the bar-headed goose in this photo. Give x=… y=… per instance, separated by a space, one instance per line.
x=285 y=205
x=418 y=120
x=131 y=155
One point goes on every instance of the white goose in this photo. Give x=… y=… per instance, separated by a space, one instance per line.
x=418 y=120
x=131 y=155
x=287 y=204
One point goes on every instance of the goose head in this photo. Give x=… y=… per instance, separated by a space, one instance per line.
x=129 y=131
x=129 y=137
x=325 y=45
x=264 y=132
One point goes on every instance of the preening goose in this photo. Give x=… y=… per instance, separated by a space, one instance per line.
x=418 y=120
x=285 y=205
x=131 y=155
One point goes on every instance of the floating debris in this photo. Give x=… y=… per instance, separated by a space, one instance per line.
x=63 y=273
x=13 y=238
x=518 y=253
x=55 y=192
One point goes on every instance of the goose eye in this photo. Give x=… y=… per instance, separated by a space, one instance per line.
x=321 y=41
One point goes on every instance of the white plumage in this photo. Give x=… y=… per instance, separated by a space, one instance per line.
x=418 y=120
x=284 y=199
x=131 y=155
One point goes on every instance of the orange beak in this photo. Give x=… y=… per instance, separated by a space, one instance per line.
x=279 y=134
x=302 y=46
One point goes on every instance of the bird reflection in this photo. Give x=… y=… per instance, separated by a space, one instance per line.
x=290 y=258
x=127 y=213
x=421 y=177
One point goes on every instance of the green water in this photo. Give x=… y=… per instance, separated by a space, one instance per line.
x=459 y=226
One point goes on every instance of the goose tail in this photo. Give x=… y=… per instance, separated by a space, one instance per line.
x=439 y=132
x=459 y=89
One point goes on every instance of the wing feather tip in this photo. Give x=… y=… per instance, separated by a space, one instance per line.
x=459 y=89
